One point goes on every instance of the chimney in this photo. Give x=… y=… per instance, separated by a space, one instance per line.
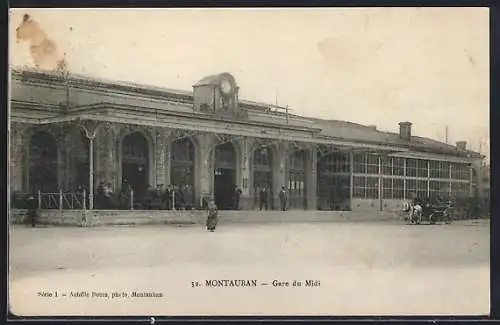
x=405 y=130
x=462 y=145
x=373 y=127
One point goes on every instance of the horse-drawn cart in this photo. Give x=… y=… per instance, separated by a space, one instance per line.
x=438 y=213
x=431 y=213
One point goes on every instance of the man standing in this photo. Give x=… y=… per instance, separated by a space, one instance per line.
x=168 y=197
x=263 y=198
x=157 y=197
x=100 y=199
x=283 y=198
x=236 y=197
x=188 y=197
x=32 y=210
x=108 y=196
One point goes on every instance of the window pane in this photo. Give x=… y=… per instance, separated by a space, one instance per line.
x=360 y=163
x=359 y=186
x=422 y=168
x=434 y=169
x=372 y=187
x=411 y=167
x=398 y=191
x=387 y=166
x=398 y=168
x=387 y=188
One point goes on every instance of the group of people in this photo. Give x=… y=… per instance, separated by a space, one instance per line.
x=173 y=197
x=104 y=196
x=265 y=198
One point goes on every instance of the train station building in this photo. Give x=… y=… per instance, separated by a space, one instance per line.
x=68 y=131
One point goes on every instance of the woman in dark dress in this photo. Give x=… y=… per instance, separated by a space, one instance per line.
x=213 y=216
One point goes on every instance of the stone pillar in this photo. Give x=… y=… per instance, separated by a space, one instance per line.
x=311 y=177
x=246 y=200
x=161 y=154
x=107 y=155
x=17 y=149
x=205 y=166
x=280 y=171
x=168 y=161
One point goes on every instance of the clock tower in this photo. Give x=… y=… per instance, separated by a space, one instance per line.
x=217 y=94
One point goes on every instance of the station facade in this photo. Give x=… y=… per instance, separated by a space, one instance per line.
x=68 y=130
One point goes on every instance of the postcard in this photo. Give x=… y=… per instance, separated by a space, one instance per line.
x=249 y=162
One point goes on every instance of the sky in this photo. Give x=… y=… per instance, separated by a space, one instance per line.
x=373 y=66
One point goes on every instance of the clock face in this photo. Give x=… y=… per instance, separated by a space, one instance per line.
x=226 y=87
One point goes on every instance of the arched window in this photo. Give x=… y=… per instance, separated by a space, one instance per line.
x=262 y=165
x=183 y=151
x=225 y=156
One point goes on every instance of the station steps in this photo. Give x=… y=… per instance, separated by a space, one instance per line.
x=138 y=217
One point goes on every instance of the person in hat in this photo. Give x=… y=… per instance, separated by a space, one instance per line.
x=32 y=210
x=213 y=216
x=283 y=198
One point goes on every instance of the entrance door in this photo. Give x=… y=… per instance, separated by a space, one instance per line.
x=134 y=174
x=224 y=176
x=135 y=164
x=223 y=187
x=262 y=173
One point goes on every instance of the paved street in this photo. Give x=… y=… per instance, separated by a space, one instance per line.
x=362 y=268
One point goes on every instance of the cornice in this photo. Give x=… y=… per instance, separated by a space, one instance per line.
x=34 y=105
x=197 y=116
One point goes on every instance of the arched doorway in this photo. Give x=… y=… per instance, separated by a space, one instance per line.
x=224 y=175
x=43 y=165
x=297 y=180
x=182 y=168
x=262 y=166
x=135 y=163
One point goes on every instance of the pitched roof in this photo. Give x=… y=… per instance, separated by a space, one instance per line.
x=359 y=132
